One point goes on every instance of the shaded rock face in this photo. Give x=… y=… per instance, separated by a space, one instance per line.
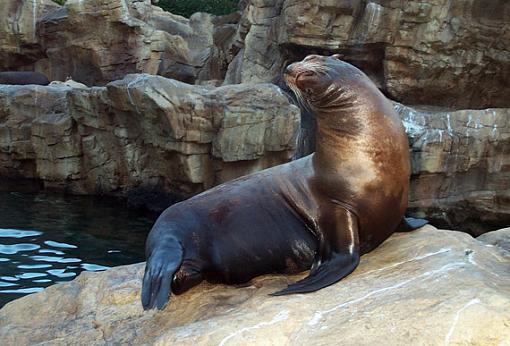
x=19 y=43
x=95 y=42
x=460 y=167
x=98 y=41
x=405 y=292
x=419 y=52
x=142 y=131
x=441 y=52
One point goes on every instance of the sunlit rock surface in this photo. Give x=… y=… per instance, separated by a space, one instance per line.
x=142 y=131
x=435 y=52
x=428 y=287
x=499 y=238
x=460 y=166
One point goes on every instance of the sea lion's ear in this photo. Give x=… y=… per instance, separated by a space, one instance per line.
x=337 y=56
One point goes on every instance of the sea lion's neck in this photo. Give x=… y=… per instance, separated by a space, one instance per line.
x=343 y=129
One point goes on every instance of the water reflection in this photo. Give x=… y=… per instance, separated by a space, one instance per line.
x=45 y=239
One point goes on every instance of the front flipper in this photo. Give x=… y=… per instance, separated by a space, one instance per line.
x=326 y=274
x=338 y=253
x=162 y=264
x=409 y=224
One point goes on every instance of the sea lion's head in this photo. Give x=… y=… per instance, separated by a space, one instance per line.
x=323 y=81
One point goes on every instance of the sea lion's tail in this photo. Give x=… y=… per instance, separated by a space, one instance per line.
x=162 y=263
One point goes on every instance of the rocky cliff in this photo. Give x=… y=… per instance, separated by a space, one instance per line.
x=142 y=132
x=460 y=166
x=429 y=287
x=436 y=52
x=95 y=41
x=148 y=134
x=19 y=41
x=433 y=52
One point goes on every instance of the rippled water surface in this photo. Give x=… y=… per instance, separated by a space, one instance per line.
x=45 y=239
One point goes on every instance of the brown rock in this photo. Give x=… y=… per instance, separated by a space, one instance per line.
x=142 y=131
x=425 y=287
x=461 y=167
x=447 y=53
x=99 y=41
x=19 y=44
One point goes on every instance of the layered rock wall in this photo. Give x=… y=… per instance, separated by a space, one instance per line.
x=452 y=54
x=419 y=52
x=95 y=41
x=460 y=166
x=435 y=52
x=19 y=43
x=143 y=131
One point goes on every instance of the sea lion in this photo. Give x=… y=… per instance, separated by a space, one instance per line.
x=23 y=78
x=320 y=212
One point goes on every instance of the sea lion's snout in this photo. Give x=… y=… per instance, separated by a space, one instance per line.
x=305 y=80
x=299 y=75
x=290 y=73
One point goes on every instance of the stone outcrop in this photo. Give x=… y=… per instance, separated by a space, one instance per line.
x=425 y=287
x=95 y=42
x=460 y=167
x=142 y=131
x=419 y=52
x=19 y=42
x=434 y=52
x=98 y=41
x=499 y=238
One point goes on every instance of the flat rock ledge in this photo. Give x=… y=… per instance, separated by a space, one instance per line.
x=427 y=287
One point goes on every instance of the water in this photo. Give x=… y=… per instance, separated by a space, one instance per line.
x=46 y=239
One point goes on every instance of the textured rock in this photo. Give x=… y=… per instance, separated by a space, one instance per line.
x=460 y=167
x=98 y=41
x=426 y=287
x=437 y=52
x=499 y=238
x=19 y=44
x=142 y=131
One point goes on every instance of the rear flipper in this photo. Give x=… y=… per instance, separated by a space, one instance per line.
x=162 y=264
x=186 y=278
x=338 y=253
x=410 y=224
